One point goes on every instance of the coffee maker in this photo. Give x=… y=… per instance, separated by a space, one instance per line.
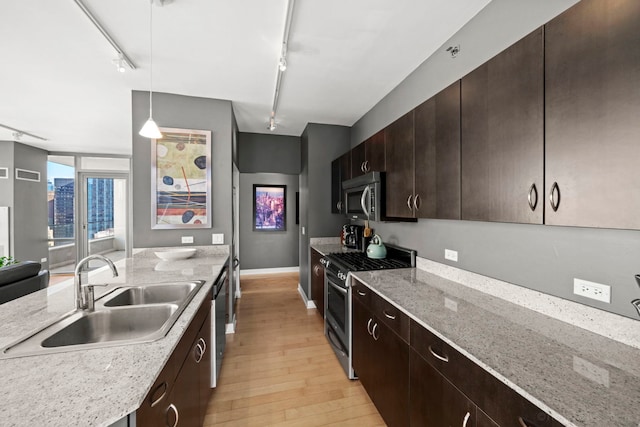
x=353 y=236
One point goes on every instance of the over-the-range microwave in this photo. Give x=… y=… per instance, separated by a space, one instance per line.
x=363 y=196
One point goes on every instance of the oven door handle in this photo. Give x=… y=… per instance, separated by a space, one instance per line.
x=363 y=201
x=336 y=346
x=339 y=288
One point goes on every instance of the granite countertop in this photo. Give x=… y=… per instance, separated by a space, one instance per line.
x=328 y=245
x=579 y=377
x=100 y=386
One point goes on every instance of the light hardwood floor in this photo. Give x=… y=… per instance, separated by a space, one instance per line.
x=278 y=368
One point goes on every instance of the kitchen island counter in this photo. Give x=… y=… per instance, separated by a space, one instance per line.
x=94 y=387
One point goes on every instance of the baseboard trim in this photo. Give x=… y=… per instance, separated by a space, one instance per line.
x=269 y=271
x=308 y=303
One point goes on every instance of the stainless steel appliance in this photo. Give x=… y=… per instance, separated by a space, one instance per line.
x=218 y=322
x=363 y=196
x=337 y=301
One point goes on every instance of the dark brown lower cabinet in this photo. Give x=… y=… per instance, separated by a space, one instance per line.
x=434 y=401
x=381 y=361
x=180 y=394
x=317 y=281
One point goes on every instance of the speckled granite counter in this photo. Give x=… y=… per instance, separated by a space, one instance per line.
x=100 y=386
x=579 y=377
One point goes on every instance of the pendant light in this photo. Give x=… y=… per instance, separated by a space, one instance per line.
x=150 y=128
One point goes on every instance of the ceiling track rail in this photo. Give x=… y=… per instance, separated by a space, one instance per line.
x=284 y=50
x=105 y=34
x=17 y=133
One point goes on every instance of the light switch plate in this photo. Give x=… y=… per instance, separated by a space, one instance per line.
x=451 y=255
x=187 y=239
x=217 y=239
x=43 y=260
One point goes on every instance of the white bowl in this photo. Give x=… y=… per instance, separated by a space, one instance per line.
x=175 y=254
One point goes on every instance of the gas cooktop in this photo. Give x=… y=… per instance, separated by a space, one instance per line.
x=358 y=261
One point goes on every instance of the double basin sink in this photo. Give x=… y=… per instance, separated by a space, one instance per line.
x=126 y=315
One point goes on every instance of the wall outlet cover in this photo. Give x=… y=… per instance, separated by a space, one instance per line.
x=43 y=260
x=451 y=255
x=187 y=239
x=593 y=290
x=217 y=239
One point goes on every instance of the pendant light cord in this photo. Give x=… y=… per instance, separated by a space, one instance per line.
x=151 y=54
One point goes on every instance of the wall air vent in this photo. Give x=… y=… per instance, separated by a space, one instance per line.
x=27 y=175
x=4 y=173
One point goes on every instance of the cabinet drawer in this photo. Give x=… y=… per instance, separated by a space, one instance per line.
x=391 y=316
x=361 y=292
x=504 y=405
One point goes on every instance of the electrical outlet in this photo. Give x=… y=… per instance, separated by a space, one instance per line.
x=217 y=238
x=303 y=230
x=187 y=239
x=593 y=290
x=451 y=255
x=43 y=260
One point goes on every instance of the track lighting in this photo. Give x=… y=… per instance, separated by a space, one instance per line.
x=272 y=124
x=150 y=128
x=282 y=65
x=454 y=50
x=119 y=62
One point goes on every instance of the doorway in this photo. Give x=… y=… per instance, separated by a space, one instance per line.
x=103 y=225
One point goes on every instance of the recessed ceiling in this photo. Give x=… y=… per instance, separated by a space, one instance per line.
x=58 y=80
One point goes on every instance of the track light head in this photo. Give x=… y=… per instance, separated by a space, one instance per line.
x=119 y=63
x=272 y=124
x=282 y=65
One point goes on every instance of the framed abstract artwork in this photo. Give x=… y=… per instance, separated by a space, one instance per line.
x=181 y=179
x=269 y=207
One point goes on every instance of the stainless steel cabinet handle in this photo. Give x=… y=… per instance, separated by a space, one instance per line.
x=533 y=201
x=366 y=166
x=369 y=326
x=203 y=342
x=164 y=393
x=198 y=353
x=175 y=411
x=416 y=202
x=362 y=167
x=388 y=316
x=363 y=201
x=466 y=420
x=525 y=423
x=361 y=293
x=409 y=202
x=437 y=356
x=373 y=332
x=339 y=206
x=552 y=199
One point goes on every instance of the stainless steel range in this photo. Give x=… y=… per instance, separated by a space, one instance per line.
x=337 y=298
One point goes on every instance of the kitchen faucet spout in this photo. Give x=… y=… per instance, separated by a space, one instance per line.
x=84 y=292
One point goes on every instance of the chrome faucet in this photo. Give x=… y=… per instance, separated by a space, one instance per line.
x=85 y=299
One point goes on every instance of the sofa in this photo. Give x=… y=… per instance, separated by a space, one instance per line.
x=21 y=279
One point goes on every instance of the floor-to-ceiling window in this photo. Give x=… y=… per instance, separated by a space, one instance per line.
x=61 y=207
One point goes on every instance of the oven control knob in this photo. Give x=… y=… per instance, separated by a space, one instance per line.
x=341 y=276
x=323 y=261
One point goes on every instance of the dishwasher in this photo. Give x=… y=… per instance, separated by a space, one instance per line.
x=218 y=321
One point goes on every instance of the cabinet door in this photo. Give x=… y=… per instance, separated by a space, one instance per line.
x=362 y=358
x=502 y=136
x=484 y=420
x=358 y=157
x=391 y=395
x=434 y=401
x=185 y=399
x=204 y=367
x=317 y=281
x=375 y=153
x=592 y=70
x=336 y=187
x=400 y=167
x=437 y=155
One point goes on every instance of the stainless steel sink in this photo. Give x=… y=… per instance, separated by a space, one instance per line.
x=128 y=315
x=149 y=294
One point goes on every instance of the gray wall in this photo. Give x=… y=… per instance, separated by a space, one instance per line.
x=268 y=153
x=27 y=201
x=543 y=258
x=262 y=249
x=178 y=111
x=320 y=145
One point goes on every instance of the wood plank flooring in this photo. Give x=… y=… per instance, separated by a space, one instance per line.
x=278 y=368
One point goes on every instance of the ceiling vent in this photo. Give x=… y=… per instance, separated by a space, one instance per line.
x=27 y=175
x=4 y=173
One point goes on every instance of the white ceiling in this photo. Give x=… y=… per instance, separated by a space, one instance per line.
x=57 y=79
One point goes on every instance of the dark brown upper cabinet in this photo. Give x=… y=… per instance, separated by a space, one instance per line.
x=340 y=171
x=437 y=155
x=592 y=73
x=369 y=155
x=503 y=136
x=400 y=167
